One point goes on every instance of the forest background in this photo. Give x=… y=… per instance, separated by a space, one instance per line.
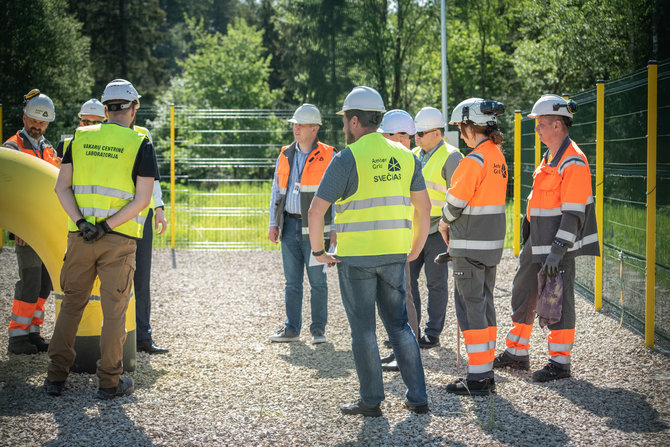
x=278 y=54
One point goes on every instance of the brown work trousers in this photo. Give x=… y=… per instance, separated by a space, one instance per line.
x=112 y=259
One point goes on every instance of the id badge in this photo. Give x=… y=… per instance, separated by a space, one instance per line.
x=296 y=188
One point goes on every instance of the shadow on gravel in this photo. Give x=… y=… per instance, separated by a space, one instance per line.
x=79 y=416
x=327 y=362
x=624 y=410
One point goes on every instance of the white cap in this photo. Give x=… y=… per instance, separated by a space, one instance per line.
x=39 y=107
x=553 y=105
x=477 y=111
x=363 y=98
x=397 y=120
x=429 y=118
x=306 y=114
x=92 y=107
x=120 y=89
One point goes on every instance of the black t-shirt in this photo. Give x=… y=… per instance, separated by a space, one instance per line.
x=145 y=163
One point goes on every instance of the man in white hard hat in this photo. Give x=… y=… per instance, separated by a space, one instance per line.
x=299 y=169
x=104 y=186
x=373 y=184
x=91 y=112
x=34 y=284
x=560 y=225
x=438 y=160
x=398 y=125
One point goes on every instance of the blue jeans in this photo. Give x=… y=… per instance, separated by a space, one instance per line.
x=295 y=254
x=361 y=289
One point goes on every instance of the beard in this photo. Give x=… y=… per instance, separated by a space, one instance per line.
x=34 y=132
x=349 y=137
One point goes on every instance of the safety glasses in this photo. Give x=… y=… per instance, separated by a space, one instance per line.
x=399 y=133
x=424 y=132
x=89 y=123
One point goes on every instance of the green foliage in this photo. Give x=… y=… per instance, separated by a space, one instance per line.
x=42 y=47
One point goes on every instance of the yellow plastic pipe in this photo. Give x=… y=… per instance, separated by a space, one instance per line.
x=172 y=214
x=517 y=182
x=650 y=283
x=26 y=197
x=600 y=188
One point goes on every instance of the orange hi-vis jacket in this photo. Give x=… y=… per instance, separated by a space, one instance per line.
x=561 y=206
x=475 y=208
x=46 y=152
x=315 y=166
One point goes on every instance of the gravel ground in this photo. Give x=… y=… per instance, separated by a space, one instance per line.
x=223 y=383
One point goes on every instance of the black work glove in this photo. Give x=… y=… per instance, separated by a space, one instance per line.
x=554 y=258
x=442 y=258
x=86 y=229
x=102 y=229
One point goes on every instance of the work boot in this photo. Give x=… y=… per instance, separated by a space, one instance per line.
x=506 y=360
x=37 y=340
x=54 y=388
x=482 y=387
x=389 y=358
x=21 y=345
x=284 y=335
x=125 y=387
x=428 y=341
x=359 y=407
x=418 y=409
x=391 y=366
x=550 y=372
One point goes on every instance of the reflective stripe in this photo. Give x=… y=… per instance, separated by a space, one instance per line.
x=450 y=217
x=282 y=190
x=476 y=245
x=18 y=332
x=586 y=240
x=34 y=329
x=562 y=359
x=558 y=347
x=100 y=212
x=574 y=160
x=568 y=206
x=437 y=186
x=372 y=202
x=566 y=236
x=455 y=201
x=545 y=212
x=103 y=191
x=480 y=368
x=481 y=210
x=373 y=225
x=38 y=314
x=518 y=352
x=22 y=320
x=481 y=347
x=326 y=229
x=479 y=158
x=517 y=339
x=439 y=203
x=308 y=188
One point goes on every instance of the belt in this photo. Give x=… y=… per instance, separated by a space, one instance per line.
x=295 y=216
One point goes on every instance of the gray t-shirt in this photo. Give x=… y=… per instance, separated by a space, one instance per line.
x=341 y=181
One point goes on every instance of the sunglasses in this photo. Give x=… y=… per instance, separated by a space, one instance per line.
x=90 y=123
x=424 y=132
x=399 y=133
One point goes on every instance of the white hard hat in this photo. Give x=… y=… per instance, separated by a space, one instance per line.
x=363 y=98
x=92 y=107
x=39 y=106
x=429 y=118
x=120 y=89
x=553 y=105
x=306 y=114
x=478 y=111
x=397 y=120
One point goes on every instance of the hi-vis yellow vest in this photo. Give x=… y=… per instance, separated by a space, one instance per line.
x=435 y=183
x=103 y=157
x=377 y=218
x=144 y=131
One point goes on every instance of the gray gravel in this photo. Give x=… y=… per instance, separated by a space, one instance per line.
x=223 y=383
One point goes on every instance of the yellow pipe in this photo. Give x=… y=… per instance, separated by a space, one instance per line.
x=600 y=188
x=538 y=147
x=651 y=204
x=172 y=214
x=517 y=182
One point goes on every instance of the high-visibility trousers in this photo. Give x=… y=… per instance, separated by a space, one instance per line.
x=524 y=300
x=30 y=293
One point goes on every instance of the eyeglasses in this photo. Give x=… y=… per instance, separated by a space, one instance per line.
x=89 y=123
x=399 y=133
x=424 y=132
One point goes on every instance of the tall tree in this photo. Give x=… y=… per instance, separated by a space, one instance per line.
x=42 y=47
